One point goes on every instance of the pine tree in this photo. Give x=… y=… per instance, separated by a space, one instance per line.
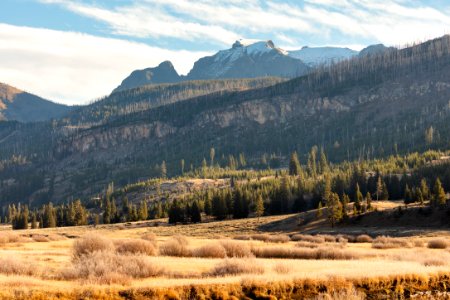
x=49 y=219
x=334 y=207
x=345 y=202
x=424 y=189
x=219 y=207
x=294 y=165
x=143 y=210
x=439 y=193
x=34 y=223
x=208 y=205
x=319 y=210
x=212 y=153
x=163 y=170
x=326 y=189
x=259 y=206
x=107 y=212
x=408 y=195
x=323 y=162
x=369 y=201
x=379 y=187
x=195 y=213
x=358 y=199
x=419 y=196
x=182 y=166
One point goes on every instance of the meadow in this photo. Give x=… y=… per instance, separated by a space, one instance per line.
x=230 y=259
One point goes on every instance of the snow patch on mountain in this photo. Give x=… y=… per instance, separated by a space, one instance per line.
x=315 y=56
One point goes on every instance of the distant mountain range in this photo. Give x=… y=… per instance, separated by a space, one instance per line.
x=248 y=59
x=24 y=107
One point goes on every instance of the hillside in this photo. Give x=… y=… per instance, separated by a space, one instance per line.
x=25 y=107
x=371 y=106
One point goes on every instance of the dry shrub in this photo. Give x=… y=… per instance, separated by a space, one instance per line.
x=55 y=237
x=236 y=249
x=329 y=238
x=437 y=244
x=135 y=247
x=363 y=238
x=91 y=243
x=243 y=237
x=434 y=263
x=151 y=237
x=351 y=294
x=40 y=238
x=176 y=246
x=279 y=238
x=210 y=251
x=303 y=244
x=9 y=237
x=282 y=268
x=418 y=243
x=13 y=266
x=386 y=242
x=304 y=253
x=105 y=267
x=308 y=238
x=235 y=266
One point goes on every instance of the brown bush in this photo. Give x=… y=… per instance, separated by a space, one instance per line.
x=434 y=263
x=386 y=242
x=308 y=238
x=211 y=251
x=437 y=244
x=243 y=237
x=304 y=253
x=235 y=267
x=363 y=238
x=282 y=268
x=105 y=267
x=302 y=244
x=176 y=246
x=279 y=238
x=40 y=238
x=328 y=238
x=151 y=237
x=9 y=237
x=236 y=249
x=135 y=247
x=91 y=243
x=13 y=266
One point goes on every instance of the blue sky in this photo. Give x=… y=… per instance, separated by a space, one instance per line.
x=73 y=51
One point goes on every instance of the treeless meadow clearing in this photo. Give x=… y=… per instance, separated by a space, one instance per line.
x=222 y=260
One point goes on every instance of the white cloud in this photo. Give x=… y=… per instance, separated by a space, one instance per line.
x=70 y=67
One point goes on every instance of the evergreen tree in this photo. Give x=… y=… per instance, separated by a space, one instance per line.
x=319 y=210
x=345 y=202
x=358 y=199
x=368 y=201
x=379 y=187
x=143 y=210
x=208 y=205
x=182 y=166
x=107 y=212
x=212 y=153
x=163 y=170
x=424 y=189
x=323 y=162
x=195 y=215
x=294 y=165
x=219 y=207
x=334 y=207
x=34 y=223
x=439 y=193
x=259 y=206
x=407 y=199
x=49 y=218
x=419 y=196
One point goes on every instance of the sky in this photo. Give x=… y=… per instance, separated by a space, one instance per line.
x=76 y=51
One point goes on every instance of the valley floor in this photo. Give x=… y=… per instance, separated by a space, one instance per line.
x=224 y=260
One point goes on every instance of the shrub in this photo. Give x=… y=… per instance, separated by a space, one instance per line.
x=364 y=238
x=235 y=267
x=437 y=244
x=91 y=243
x=40 y=238
x=236 y=249
x=13 y=266
x=304 y=253
x=279 y=238
x=176 y=246
x=136 y=247
x=308 y=238
x=151 y=237
x=328 y=238
x=302 y=244
x=281 y=268
x=211 y=251
x=108 y=267
x=243 y=237
x=433 y=263
x=385 y=242
x=9 y=237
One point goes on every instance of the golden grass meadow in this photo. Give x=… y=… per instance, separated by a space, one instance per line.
x=231 y=259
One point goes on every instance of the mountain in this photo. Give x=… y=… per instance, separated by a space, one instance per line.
x=370 y=106
x=375 y=49
x=24 y=107
x=248 y=59
x=163 y=73
x=316 y=56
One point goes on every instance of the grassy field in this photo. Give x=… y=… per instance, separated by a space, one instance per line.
x=269 y=258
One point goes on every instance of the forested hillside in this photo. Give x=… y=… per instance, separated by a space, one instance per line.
x=392 y=102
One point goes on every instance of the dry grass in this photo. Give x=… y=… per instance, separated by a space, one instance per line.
x=282 y=268
x=214 y=250
x=9 y=237
x=363 y=238
x=437 y=244
x=151 y=237
x=235 y=266
x=236 y=249
x=40 y=238
x=135 y=247
x=279 y=238
x=351 y=294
